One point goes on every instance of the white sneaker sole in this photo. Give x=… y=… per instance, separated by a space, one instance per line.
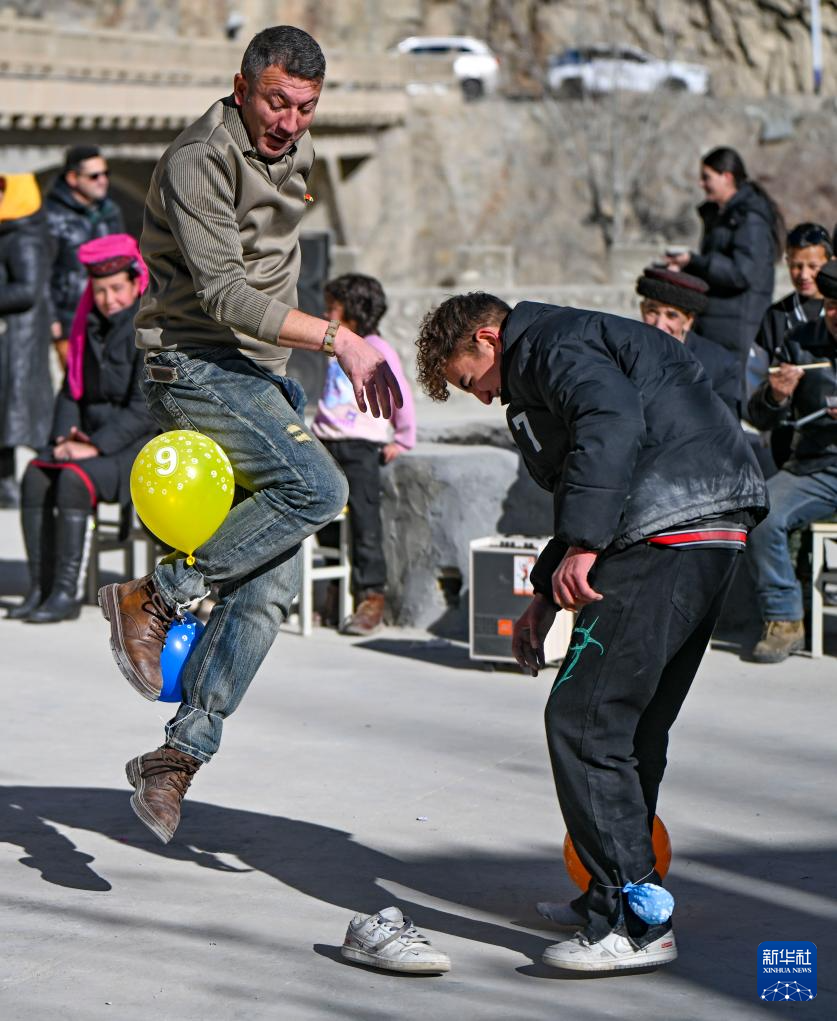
x=638 y=960
x=374 y=961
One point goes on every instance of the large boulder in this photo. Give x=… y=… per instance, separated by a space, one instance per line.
x=438 y=498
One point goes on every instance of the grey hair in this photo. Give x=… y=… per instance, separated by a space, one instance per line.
x=295 y=51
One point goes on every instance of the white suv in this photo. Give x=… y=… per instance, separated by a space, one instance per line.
x=592 y=70
x=475 y=67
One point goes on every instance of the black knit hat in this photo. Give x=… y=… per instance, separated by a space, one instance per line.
x=670 y=287
x=827 y=279
x=107 y=267
x=78 y=154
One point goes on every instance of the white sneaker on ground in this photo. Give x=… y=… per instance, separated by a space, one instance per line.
x=563 y=915
x=612 y=953
x=389 y=940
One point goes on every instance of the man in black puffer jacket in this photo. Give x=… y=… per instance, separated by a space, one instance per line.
x=805 y=490
x=78 y=210
x=654 y=489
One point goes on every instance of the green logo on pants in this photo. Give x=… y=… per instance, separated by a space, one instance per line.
x=576 y=650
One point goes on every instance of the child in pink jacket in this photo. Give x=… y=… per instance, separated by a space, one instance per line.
x=361 y=444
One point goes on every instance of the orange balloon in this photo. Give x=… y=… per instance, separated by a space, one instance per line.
x=662 y=850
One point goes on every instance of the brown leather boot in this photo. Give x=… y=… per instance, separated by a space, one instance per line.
x=161 y=779
x=368 y=617
x=779 y=639
x=139 y=622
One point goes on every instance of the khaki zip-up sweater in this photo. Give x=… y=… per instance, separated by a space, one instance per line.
x=220 y=237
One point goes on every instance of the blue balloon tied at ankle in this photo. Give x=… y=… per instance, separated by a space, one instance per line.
x=649 y=902
x=180 y=642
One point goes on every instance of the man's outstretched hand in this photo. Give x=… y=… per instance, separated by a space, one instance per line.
x=530 y=633
x=373 y=380
x=374 y=383
x=570 y=588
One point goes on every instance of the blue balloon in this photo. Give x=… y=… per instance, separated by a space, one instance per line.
x=649 y=902
x=179 y=644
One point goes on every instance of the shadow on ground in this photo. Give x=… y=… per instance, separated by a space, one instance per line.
x=325 y=863
x=329 y=865
x=428 y=650
x=14 y=581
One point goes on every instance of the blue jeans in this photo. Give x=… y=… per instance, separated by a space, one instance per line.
x=795 y=501
x=293 y=488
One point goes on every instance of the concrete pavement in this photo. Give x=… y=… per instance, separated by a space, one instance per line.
x=387 y=771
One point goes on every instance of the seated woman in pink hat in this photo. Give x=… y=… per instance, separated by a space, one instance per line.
x=99 y=424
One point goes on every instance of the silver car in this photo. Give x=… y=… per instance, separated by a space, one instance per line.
x=601 y=68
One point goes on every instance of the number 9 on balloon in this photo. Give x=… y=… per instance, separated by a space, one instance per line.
x=182 y=486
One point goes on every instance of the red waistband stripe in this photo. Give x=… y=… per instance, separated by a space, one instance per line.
x=701 y=536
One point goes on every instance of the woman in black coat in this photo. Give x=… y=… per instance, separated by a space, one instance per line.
x=100 y=424
x=743 y=234
x=25 y=386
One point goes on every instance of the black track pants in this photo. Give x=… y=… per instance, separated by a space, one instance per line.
x=631 y=661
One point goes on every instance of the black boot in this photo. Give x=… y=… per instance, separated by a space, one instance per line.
x=72 y=545
x=38 y=526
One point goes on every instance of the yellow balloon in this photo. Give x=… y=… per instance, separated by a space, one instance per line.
x=182 y=487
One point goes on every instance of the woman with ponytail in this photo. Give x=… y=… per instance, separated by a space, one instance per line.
x=743 y=236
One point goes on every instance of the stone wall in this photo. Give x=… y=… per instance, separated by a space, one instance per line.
x=753 y=47
x=560 y=184
x=435 y=501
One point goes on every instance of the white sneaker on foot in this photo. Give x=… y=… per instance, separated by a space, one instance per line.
x=612 y=953
x=389 y=940
x=564 y=916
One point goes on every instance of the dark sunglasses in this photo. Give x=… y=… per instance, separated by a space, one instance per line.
x=96 y=176
x=808 y=234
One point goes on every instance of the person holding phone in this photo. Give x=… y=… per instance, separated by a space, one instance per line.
x=743 y=236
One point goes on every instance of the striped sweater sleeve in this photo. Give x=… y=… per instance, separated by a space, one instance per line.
x=198 y=194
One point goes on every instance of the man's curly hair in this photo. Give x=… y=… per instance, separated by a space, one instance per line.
x=446 y=328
